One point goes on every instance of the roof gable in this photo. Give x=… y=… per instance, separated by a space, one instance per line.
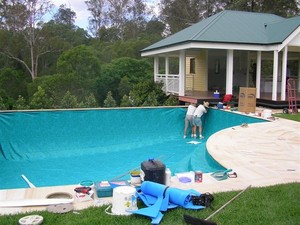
x=234 y=27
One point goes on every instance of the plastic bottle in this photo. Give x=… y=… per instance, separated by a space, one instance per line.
x=167 y=177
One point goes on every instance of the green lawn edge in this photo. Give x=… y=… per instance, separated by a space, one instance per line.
x=274 y=205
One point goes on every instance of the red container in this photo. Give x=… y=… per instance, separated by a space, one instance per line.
x=198 y=176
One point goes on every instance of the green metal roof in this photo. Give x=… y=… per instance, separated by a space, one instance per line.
x=234 y=27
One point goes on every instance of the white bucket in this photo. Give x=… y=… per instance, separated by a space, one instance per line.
x=267 y=113
x=124 y=200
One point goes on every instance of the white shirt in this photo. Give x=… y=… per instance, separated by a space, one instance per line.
x=191 y=109
x=200 y=110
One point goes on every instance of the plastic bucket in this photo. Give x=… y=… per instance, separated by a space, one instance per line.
x=124 y=200
x=216 y=95
x=267 y=113
x=220 y=105
x=135 y=179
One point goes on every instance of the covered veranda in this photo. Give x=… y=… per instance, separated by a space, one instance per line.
x=205 y=57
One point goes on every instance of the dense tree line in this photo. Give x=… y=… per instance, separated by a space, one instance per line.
x=56 y=64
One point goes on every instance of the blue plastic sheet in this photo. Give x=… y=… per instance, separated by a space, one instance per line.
x=62 y=147
x=159 y=198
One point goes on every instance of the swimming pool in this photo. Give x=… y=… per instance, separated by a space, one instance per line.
x=68 y=146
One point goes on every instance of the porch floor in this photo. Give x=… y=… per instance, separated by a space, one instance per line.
x=264 y=100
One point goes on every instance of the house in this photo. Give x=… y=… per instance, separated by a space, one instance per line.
x=229 y=50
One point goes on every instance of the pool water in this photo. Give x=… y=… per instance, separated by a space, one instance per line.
x=68 y=146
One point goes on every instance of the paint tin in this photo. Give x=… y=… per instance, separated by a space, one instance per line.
x=168 y=177
x=135 y=177
x=198 y=176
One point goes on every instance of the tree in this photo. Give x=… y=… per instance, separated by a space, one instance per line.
x=24 y=17
x=13 y=83
x=65 y=16
x=151 y=99
x=126 y=102
x=112 y=73
x=40 y=100
x=154 y=28
x=140 y=94
x=20 y=103
x=56 y=86
x=2 y=104
x=171 y=101
x=80 y=60
x=179 y=14
x=97 y=20
x=124 y=86
x=69 y=101
x=117 y=13
x=284 y=8
x=118 y=19
x=110 y=101
x=136 y=22
x=58 y=38
x=90 y=101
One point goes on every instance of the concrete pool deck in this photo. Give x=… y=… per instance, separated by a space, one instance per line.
x=262 y=154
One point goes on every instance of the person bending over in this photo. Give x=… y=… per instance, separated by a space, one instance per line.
x=200 y=110
x=189 y=119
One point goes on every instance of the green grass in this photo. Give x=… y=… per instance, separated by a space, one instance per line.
x=290 y=116
x=274 y=205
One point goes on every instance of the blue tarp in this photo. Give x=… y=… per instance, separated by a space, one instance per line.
x=67 y=146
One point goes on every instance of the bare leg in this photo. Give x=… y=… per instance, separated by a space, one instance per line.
x=186 y=125
x=200 y=132
x=185 y=129
x=194 y=130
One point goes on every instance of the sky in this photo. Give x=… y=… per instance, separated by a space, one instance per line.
x=82 y=14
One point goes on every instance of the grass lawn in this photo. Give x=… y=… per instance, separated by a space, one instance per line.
x=274 y=205
x=290 y=116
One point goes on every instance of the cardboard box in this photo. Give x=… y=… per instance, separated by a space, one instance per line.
x=247 y=100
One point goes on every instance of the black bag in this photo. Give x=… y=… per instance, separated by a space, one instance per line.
x=204 y=199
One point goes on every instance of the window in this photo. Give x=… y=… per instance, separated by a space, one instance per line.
x=192 y=65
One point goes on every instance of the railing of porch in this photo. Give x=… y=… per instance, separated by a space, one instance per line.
x=171 y=82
